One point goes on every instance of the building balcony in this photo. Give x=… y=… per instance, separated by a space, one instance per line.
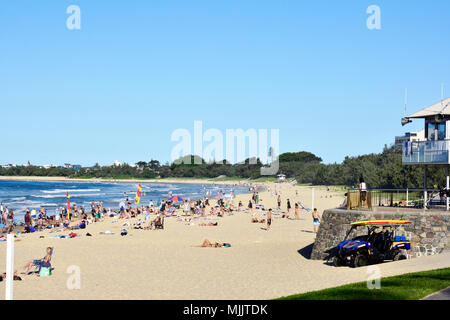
x=426 y=152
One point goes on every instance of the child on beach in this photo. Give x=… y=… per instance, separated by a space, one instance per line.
x=316 y=219
x=269 y=219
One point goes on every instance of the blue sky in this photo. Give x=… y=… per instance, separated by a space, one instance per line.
x=138 y=70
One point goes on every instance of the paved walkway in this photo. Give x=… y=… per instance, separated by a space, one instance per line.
x=440 y=295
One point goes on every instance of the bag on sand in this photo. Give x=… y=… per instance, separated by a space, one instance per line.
x=45 y=272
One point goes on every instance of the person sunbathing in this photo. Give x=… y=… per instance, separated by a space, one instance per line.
x=209 y=224
x=208 y=244
x=44 y=262
x=16 y=277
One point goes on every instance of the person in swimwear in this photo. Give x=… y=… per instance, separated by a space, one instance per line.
x=316 y=220
x=269 y=219
x=207 y=244
x=16 y=277
x=209 y=224
x=44 y=262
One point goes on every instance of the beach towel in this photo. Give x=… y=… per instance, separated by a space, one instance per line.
x=106 y=232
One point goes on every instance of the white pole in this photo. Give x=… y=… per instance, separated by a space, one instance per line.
x=312 y=202
x=424 y=188
x=407 y=196
x=9 y=267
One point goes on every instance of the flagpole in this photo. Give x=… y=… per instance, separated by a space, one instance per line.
x=68 y=206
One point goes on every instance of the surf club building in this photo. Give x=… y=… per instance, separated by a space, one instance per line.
x=435 y=149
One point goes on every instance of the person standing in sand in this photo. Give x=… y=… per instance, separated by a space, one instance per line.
x=269 y=219
x=316 y=220
x=279 y=202
x=297 y=217
x=250 y=207
x=288 y=205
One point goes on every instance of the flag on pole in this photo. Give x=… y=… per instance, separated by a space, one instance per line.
x=68 y=206
x=138 y=194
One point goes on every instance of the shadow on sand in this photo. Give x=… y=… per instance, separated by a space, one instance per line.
x=306 y=251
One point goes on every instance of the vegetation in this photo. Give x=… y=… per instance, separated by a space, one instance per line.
x=383 y=170
x=411 y=286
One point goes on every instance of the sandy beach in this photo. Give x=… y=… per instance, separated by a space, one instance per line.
x=162 y=264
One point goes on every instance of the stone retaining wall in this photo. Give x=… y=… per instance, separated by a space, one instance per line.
x=429 y=231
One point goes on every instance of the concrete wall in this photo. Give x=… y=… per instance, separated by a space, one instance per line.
x=429 y=231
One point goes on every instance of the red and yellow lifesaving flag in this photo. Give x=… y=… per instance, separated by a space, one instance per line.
x=138 y=194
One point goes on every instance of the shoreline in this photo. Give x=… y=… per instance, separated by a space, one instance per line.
x=168 y=181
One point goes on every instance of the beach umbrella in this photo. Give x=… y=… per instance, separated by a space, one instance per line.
x=176 y=199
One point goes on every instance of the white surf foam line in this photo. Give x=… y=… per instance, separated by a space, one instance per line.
x=76 y=195
x=17 y=199
x=69 y=190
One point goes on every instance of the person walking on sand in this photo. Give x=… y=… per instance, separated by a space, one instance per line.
x=288 y=205
x=250 y=207
x=269 y=219
x=316 y=220
x=297 y=217
x=279 y=202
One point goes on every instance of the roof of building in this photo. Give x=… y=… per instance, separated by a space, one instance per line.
x=442 y=107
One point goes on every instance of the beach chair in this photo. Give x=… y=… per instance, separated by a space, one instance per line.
x=159 y=224
x=39 y=269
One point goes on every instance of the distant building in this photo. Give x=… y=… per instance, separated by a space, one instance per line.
x=72 y=166
x=8 y=166
x=410 y=137
x=48 y=166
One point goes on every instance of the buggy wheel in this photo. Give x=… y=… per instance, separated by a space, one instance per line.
x=361 y=260
x=399 y=256
x=338 y=262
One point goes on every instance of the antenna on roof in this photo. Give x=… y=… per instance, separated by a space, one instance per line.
x=442 y=99
x=406 y=99
x=405 y=120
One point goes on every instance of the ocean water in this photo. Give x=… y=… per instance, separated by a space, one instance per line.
x=20 y=195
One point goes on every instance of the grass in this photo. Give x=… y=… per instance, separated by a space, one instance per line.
x=411 y=286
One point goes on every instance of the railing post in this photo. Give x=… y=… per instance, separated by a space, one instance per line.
x=447 y=200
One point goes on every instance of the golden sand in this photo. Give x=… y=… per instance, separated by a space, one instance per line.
x=162 y=264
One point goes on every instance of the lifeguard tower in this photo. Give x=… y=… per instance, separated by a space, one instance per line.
x=435 y=149
x=281 y=178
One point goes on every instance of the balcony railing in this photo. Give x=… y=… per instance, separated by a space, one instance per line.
x=426 y=152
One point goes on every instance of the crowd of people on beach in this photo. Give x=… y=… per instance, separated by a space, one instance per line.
x=150 y=217
x=75 y=218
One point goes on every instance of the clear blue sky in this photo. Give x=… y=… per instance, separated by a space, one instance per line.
x=138 y=70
